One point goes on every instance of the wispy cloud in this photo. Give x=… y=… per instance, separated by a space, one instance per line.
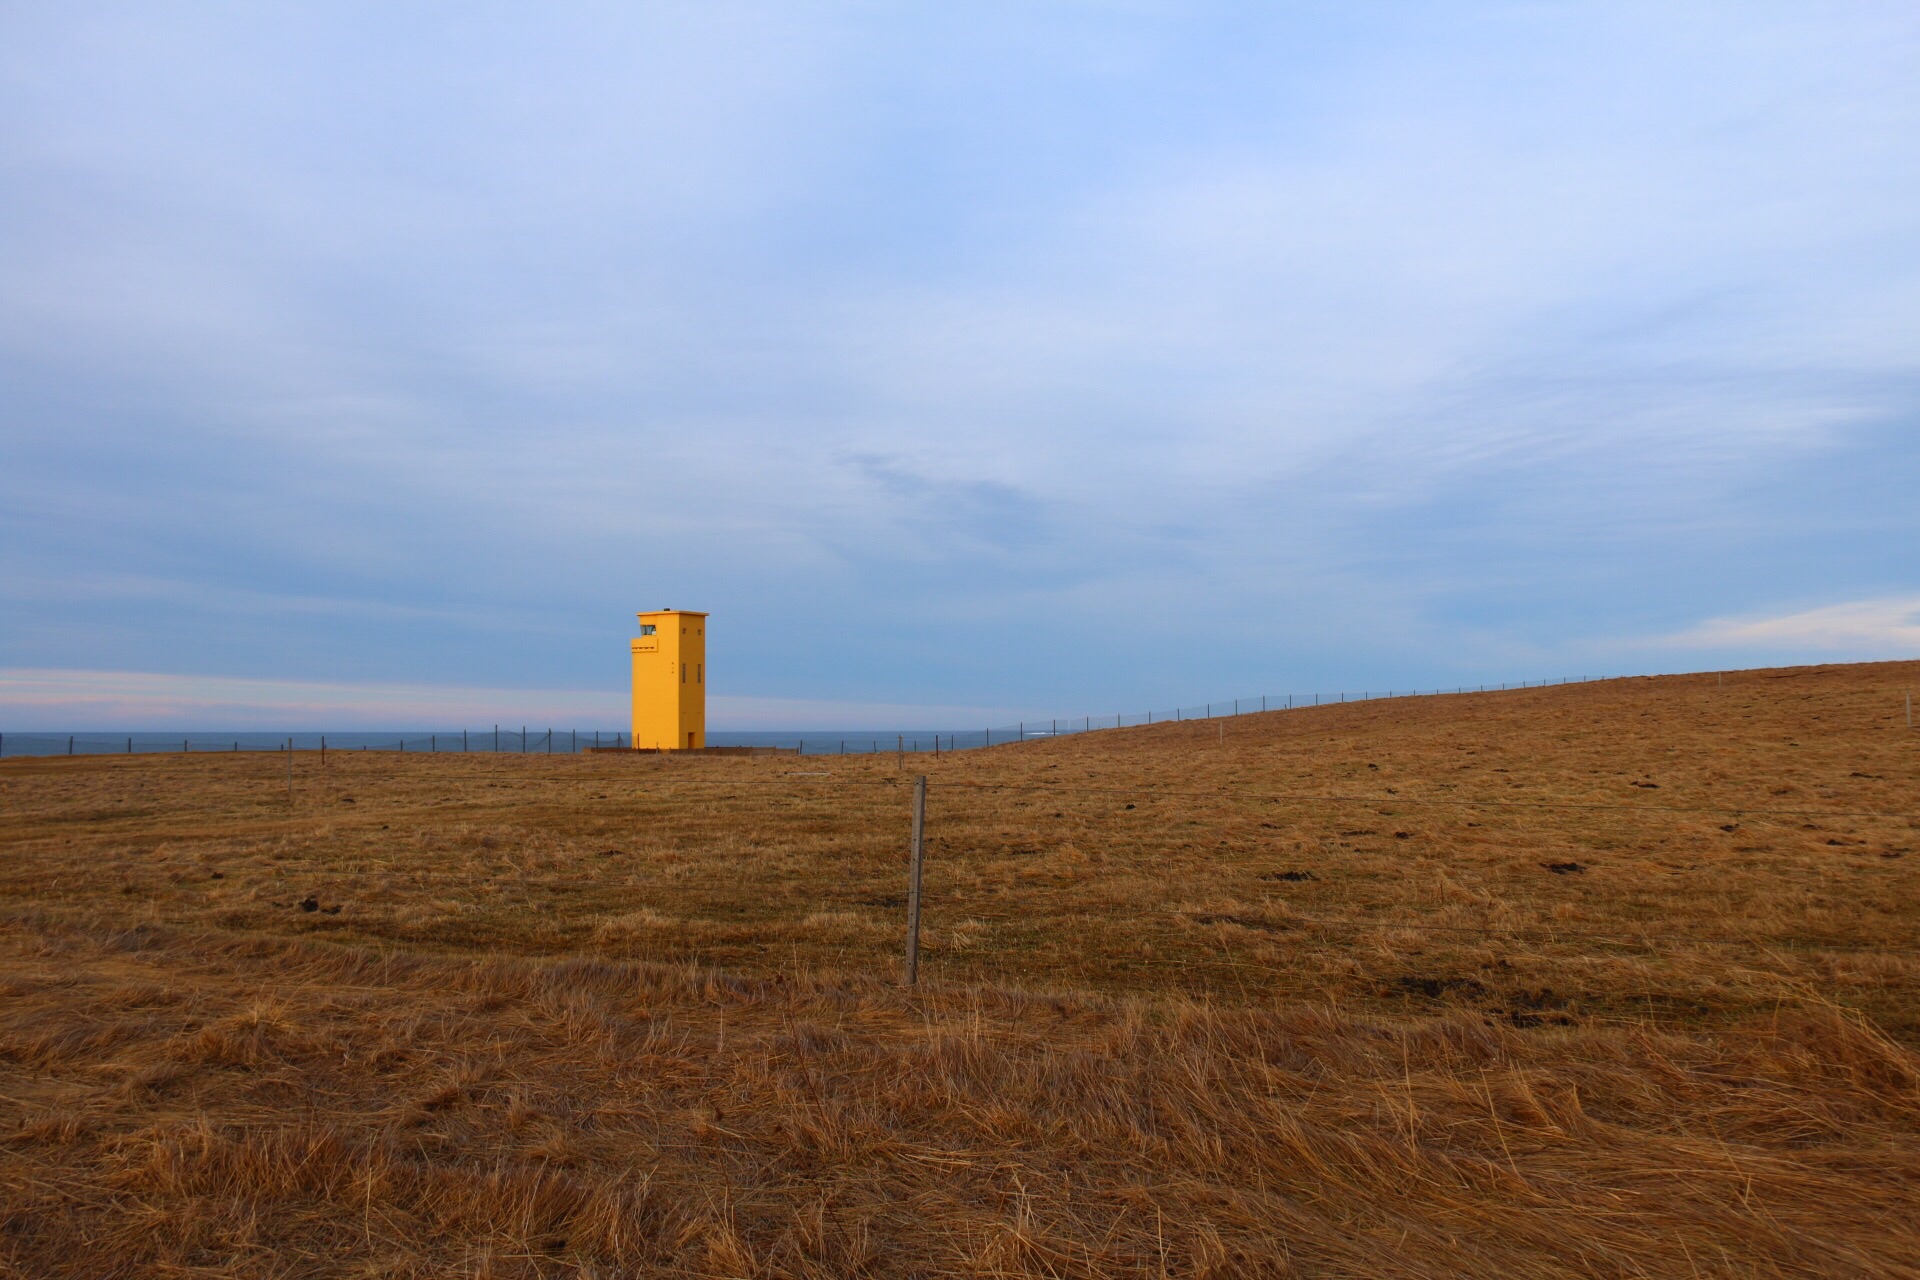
x=48 y=699
x=1884 y=628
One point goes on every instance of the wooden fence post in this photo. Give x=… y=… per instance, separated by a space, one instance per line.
x=917 y=859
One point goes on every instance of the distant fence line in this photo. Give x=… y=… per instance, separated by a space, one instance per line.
x=519 y=741
x=527 y=741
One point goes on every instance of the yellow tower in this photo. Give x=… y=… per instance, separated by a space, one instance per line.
x=670 y=681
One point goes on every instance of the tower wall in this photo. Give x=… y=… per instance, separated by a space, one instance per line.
x=670 y=681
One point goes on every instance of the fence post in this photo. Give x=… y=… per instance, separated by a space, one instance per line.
x=916 y=859
x=69 y=744
x=323 y=751
x=899 y=751
x=523 y=739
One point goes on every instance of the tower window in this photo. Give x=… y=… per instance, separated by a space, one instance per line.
x=700 y=673
x=647 y=628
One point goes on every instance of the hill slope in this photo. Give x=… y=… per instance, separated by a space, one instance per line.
x=1299 y=993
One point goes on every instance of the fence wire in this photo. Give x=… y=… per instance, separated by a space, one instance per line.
x=527 y=740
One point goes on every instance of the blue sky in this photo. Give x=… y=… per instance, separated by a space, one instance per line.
x=374 y=364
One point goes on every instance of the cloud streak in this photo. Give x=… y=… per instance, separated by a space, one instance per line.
x=1865 y=629
x=50 y=699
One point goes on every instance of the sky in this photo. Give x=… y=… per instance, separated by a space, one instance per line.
x=370 y=365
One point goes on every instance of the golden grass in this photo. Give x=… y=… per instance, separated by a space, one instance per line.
x=598 y=1016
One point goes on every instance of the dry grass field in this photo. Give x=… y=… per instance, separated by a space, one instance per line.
x=1617 y=979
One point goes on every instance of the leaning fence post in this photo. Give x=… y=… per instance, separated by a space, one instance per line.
x=917 y=858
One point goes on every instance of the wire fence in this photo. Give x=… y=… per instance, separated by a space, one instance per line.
x=526 y=740
x=519 y=740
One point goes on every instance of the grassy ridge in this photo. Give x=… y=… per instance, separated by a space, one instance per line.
x=1297 y=994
